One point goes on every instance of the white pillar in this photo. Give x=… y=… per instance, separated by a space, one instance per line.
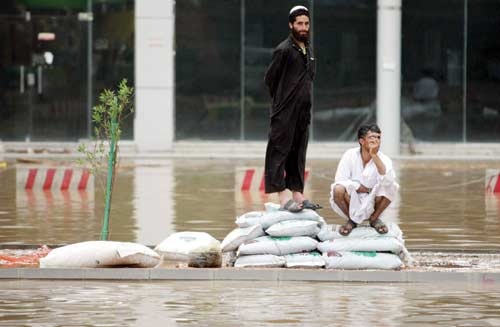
x=389 y=73
x=154 y=75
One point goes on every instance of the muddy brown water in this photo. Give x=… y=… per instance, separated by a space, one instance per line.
x=197 y=303
x=441 y=205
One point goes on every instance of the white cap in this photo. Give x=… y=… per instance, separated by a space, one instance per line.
x=297 y=8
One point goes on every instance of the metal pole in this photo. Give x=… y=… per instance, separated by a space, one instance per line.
x=311 y=41
x=389 y=74
x=464 y=75
x=242 y=70
x=110 y=179
x=89 y=70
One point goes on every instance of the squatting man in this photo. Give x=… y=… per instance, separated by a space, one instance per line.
x=364 y=183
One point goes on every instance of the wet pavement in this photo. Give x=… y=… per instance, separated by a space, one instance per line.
x=442 y=204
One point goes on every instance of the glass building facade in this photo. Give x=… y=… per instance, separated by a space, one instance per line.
x=55 y=58
x=450 y=66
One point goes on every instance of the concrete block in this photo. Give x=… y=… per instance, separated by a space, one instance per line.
x=488 y=278
x=9 y=273
x=268 y=274
x=439 y=276
x=374 y=276
x=116 y=273
x=311 y=275
x=182 y=274
x=51 y=273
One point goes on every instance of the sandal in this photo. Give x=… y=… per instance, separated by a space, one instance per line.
x=379 y=226
x=347 y=228
x=306 y=204
x=292 y=206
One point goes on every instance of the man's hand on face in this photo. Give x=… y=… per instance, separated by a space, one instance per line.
x=373 y=146
x=373 y=143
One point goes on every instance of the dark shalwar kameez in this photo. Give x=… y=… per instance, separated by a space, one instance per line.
x=289 y=79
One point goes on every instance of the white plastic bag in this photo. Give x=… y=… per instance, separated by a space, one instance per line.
x=197 y=249
x=330 y=232
x=260 y=261
x=361 y=260
x=240 y=235
x=94 y=254
x=278 y=245
x=294 y=228
x=381 y=244
x=305 y=260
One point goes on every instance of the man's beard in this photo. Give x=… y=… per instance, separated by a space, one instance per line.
x=302 y=38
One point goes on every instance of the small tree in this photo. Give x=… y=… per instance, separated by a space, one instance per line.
x=107 y=116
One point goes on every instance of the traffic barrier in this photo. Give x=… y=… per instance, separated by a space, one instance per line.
x=59 y=178
x=492 y=181
x=252 y=178
x=249 y=190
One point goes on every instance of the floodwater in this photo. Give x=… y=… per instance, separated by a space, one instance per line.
x=441 y=205
x=196 y=303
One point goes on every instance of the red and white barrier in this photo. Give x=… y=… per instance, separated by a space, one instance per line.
x=58 y=178
x=252 y=178
x=492 y=181
x=249 y=190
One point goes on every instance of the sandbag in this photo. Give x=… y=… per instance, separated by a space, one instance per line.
x=197 y=249
x=381 y=244
x=267 y=219
x=96 y=254
x=229 y=258
x=260 y=261
x=330 y=232
x=240 y=235
x=305 y=260
x=361 y=260
x=278 y=245
x=294 y=228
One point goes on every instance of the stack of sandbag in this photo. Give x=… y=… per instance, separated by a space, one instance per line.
x=275 y=238
x=192 y=249
x=363 y=248
x=98 y=254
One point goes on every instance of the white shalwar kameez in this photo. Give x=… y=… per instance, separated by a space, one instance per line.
x=351 y=174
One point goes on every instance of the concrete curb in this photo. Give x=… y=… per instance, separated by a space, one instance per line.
x=227 y=274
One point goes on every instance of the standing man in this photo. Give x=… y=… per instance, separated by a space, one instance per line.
x=289 y=80
x=364 y=183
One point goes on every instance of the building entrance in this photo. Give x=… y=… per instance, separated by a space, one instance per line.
x=44 y=71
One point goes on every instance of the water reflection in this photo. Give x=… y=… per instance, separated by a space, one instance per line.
x=246 y=303
x=442 y=204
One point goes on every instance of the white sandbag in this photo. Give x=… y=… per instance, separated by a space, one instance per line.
x=267 y=219
x=229 y=258
x=198 y=249
x=260 y=260
x=381 y=244
x=240 y=235
x=294 y=228
x=96 y=254
x=361 y=260
x=270 y=206
x=330 y=232
x=278 y=245
x=305 y=260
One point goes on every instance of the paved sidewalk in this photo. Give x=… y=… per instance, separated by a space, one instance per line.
x=276 y=274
